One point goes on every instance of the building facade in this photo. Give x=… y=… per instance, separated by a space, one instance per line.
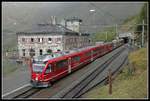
x=73 y=24
x=44 y=37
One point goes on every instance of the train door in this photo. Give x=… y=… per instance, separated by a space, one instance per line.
x=30 y=67
x=102 y=49
x=94 y=53
x=48 y=74
x=99 y=49
x=105 y=49
x=111 y=46
x=88 y=53
x=69 y=65
x=75 y=61
x=61 y=68
x=91 y=55
x=97 y=52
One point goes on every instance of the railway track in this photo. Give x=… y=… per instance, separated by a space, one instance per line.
x=102 y=82
x=23 y=93
x=27 y=93
x=82 y=87
x=60 y=85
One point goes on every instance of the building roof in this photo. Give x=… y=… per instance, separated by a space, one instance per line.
x=49 y=29
x=74 y=19
x=85 y=34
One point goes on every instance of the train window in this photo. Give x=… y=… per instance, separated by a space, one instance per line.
x=75 y=59
x=49 y=69
x=95 y=51
x=62 y=63
x=88 y=54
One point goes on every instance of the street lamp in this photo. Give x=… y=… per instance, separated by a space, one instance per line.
x=92 y=10
x=93 y=13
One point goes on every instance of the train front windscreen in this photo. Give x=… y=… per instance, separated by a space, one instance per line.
x=38 y=68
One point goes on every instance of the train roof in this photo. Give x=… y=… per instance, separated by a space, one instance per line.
x=62 y=54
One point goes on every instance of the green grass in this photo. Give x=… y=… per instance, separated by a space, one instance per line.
x=101 y=36
x=125 y=85
x=129 y=19
x=139 y=58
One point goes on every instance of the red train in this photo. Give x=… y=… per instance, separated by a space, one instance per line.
x=48 y=68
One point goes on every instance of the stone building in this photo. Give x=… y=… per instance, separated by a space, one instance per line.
x=73 y=24
x=44 y=37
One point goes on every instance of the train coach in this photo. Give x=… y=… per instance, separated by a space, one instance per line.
x=48 y=68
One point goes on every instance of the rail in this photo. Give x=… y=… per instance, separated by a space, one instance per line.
x=27 y=93
x=74 y=92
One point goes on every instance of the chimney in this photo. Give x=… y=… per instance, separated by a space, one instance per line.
x=63 y=22
x=53 y=20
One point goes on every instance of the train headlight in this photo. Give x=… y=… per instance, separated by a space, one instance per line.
x=36 y=78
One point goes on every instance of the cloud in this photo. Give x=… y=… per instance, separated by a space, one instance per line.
x=25 y=14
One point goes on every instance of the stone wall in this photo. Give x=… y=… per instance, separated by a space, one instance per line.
x=65 y=42
x=44 y=45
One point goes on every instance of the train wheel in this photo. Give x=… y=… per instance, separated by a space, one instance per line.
x=50 y=84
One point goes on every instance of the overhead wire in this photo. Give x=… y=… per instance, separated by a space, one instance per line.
x=105 y=12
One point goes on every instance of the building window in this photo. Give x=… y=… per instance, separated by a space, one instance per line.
x=23 y=39
x=40 y=40
x=89 y=41
x=49 y=40
x=41 y=51
x=58 y=40
x=23 y=51
x=32 y=52
x=58 y=50
x=32 y=40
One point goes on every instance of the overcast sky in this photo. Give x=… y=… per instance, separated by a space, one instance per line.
x=25 y=14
